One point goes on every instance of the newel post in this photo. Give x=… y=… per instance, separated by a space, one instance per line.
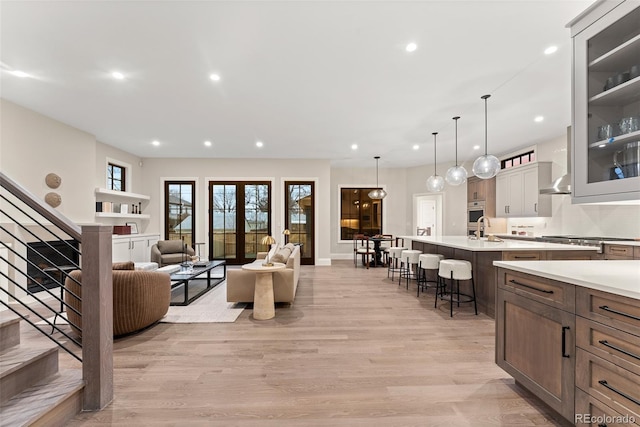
x=97 y=317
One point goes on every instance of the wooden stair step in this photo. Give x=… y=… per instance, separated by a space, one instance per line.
x=9 y=331
x=24 y=365
x=52 y=401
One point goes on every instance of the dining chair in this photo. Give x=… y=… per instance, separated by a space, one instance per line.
x=362 y=247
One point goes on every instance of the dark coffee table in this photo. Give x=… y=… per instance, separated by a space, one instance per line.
x=184 y=278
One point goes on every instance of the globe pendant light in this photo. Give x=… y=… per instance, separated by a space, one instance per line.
x=456 y=175
x=435 y=183
x=487 y=166
x=378 y=193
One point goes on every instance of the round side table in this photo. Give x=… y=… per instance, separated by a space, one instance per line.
x=263 y=301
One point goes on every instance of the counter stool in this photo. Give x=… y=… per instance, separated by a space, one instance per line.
x=455 y=269
x=392 y=262
x=428 y=262
x=408 y=258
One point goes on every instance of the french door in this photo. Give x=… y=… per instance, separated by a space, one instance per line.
x=239 y=218
x=299 y=218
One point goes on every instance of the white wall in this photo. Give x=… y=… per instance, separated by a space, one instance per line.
x=454 y=210
x=585 y=220
x=156 y=171
x=394 y=214
x=34 y=145
x=106 y=153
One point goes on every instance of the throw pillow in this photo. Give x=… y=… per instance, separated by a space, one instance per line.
x=272 y=252
x=127 y=265
x=290 y=246
x=282 y=255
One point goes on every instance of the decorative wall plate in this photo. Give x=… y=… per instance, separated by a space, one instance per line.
x=53 y=199
x=53 y=180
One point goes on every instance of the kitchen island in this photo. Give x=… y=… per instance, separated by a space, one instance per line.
x=482 y=253
x=569 y=332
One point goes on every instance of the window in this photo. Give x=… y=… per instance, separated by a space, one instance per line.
x=359 y=214
x=116 y=177
x=179 y=217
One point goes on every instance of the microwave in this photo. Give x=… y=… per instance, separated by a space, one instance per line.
x=475 y=210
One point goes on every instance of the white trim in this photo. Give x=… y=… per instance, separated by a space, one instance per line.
x=439 y=199
x=128 y=171
x=338 y=206
x=316 y=231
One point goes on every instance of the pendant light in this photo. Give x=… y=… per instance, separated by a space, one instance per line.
x=435 y=183
x=456 y=175
x=378 y=193
x=487 y=166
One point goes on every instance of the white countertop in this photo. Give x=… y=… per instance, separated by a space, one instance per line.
x=622 y=242
x=620 y=277
x=463 y=242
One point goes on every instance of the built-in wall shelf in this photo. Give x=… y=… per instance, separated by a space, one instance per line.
x=121 y=205
x=121 y=215
x=122 y=194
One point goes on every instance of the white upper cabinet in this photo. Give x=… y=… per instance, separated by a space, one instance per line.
x=606 y=104
x=517 y=191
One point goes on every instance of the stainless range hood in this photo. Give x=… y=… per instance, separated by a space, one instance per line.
x=562 y=185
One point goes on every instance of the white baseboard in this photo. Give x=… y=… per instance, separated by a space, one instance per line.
x=324 y=262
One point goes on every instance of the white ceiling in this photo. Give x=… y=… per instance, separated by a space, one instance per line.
x=309 y=78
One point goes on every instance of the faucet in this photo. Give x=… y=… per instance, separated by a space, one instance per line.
x=487 y=223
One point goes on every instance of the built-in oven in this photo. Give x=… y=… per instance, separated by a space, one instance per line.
x=475 y=210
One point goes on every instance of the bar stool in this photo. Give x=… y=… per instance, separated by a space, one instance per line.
x=408 y=257
x=392 y=262
x=457 y=270
x=428 y=262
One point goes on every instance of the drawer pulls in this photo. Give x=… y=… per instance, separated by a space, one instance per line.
x=564 y=341
x=515 y=282
x=621 y=350
x=611 y=310
x=621 y=393
x=525 y=257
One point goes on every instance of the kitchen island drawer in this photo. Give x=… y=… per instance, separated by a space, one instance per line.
x=619 y=348
x=613 y=310
x=557 y=294
x=521 y=256
x=619 y=250
x=590 y=411
x=612 y=385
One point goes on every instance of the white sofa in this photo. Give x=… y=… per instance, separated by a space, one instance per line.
x=241 y=283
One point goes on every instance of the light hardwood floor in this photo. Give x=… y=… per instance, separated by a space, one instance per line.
x=355 y=349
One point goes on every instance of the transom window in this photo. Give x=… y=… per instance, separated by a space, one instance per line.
x=116 y=177
x=359 y=214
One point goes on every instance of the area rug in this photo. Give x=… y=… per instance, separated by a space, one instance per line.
x=209 y=308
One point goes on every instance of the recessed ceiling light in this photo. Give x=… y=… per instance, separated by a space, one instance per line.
x=259 y=144
x=602 y=145
x=215 y=77
x=354 y=146
x=19 y=73
x=207 y=143
x=476 y=147
x=538 y=119
x=416 y=147
x=411 y=47
x=117 y=75
x=550 y=50
x=155 y=143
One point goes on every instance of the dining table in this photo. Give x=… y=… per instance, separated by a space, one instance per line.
x=377 y=247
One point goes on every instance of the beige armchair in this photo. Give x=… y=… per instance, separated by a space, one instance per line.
x=167 y=252
x=140 y=298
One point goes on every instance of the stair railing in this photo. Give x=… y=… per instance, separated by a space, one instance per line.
x=43 y=247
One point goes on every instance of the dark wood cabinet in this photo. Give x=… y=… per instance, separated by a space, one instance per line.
x=535 y=343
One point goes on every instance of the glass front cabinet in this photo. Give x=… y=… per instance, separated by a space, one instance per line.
x=606 y=102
